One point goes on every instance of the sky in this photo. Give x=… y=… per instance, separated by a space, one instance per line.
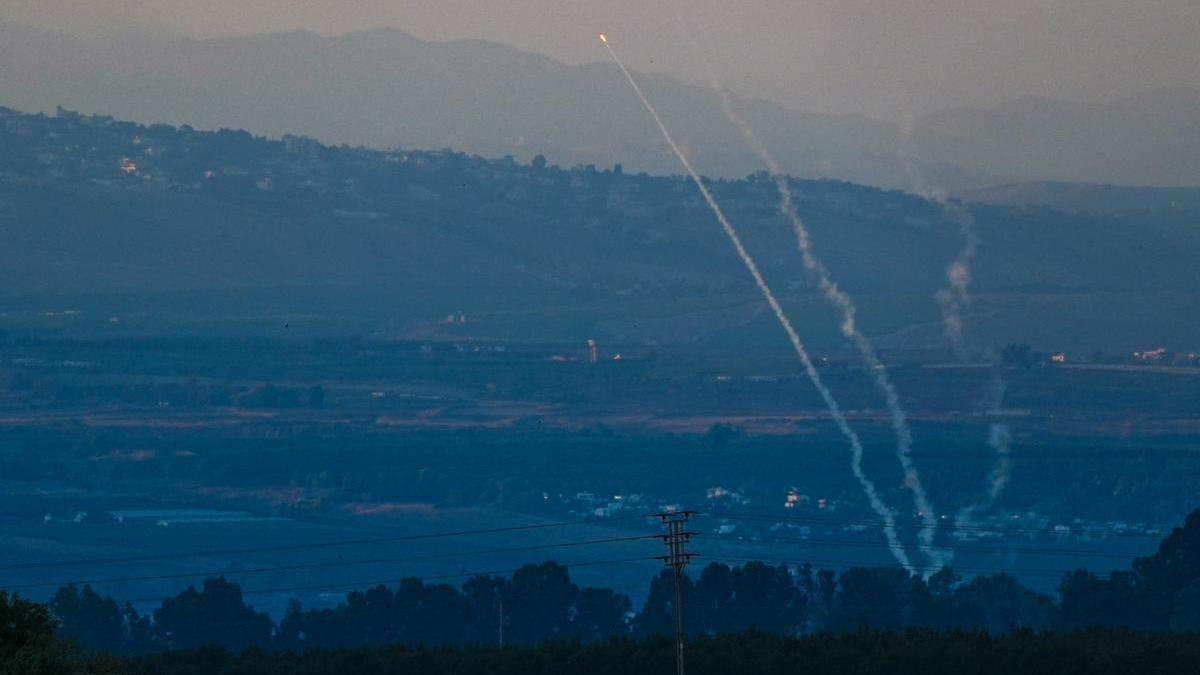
x=889 y=59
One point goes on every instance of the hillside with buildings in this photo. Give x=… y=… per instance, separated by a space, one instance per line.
x=100 y=208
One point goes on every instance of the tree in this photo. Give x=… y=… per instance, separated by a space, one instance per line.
x=139 y=632
x=215 y=615
x=24 y=626
x=96 y=622
x=1087 y=601
x=826 y=597
x=600 y=613
x=933 y=602
x=999 y=603
x=1185 y=610
x=714 y=593
x=538 y=603
x=875 y=597
x=432 y=614
x=27 y=644
x=485 y=599
x=766 y=599
x=658 y=614
x=375 y=617
x=754 y=595
x=1173 y=567
x=291 y=635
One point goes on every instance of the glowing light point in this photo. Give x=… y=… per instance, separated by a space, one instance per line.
x=604 y=38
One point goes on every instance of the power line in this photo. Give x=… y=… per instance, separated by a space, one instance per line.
x=322 y=565
x=300 y=547
x=965 y=528
x=1055 y=573
x=730 y=516
x=947 y=547
x=763 y=517
x=740 y=540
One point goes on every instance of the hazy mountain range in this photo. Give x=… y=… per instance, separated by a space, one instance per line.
x=385 y=88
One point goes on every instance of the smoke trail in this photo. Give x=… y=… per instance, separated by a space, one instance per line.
x=835 y=411
x=1000 y=438
x=844 y=304
x=954 y=301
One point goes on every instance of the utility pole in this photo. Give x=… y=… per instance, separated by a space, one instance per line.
x=676 y=559
x=501 y=624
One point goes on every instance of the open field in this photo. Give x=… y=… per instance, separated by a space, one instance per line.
x=302 y=441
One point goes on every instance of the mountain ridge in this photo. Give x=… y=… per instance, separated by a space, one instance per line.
x=384 y=87
x=352 y=88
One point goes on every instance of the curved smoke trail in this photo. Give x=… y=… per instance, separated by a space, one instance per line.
x=1000 y=439
x=954 y=300
x=845 y=306
x=835 y=411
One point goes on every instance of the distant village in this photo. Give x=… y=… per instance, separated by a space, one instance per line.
x=804 y=515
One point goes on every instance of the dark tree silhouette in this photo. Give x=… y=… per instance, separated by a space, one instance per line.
x=874 y=597
x=538 y=602
x=23 y=625
x=485 y=598
x=92 y=619
x=601 y=613
x=215 y=615
x=658 y=614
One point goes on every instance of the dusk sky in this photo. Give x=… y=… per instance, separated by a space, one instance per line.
x=887 y=60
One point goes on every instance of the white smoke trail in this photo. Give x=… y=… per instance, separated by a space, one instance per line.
x=835 y=411
x=1000 y=438
x=956 y=298
x=954 y=301
x=844 y=304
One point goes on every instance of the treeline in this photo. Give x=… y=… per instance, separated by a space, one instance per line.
x=1092 y=652
x=540 y=603
x=925 y=652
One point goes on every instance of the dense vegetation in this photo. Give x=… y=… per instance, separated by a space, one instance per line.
x=1091 y=652
x=539 y=603
x=910 y=653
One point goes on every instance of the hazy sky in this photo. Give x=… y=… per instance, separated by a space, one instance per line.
x=886 y=58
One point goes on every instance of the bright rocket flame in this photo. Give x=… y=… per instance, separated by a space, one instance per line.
x=604 y=38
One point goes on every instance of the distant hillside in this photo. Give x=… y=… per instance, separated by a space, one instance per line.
x=1148 y=139
x=1090 y=198
x=384 y=88
x=93 y=207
